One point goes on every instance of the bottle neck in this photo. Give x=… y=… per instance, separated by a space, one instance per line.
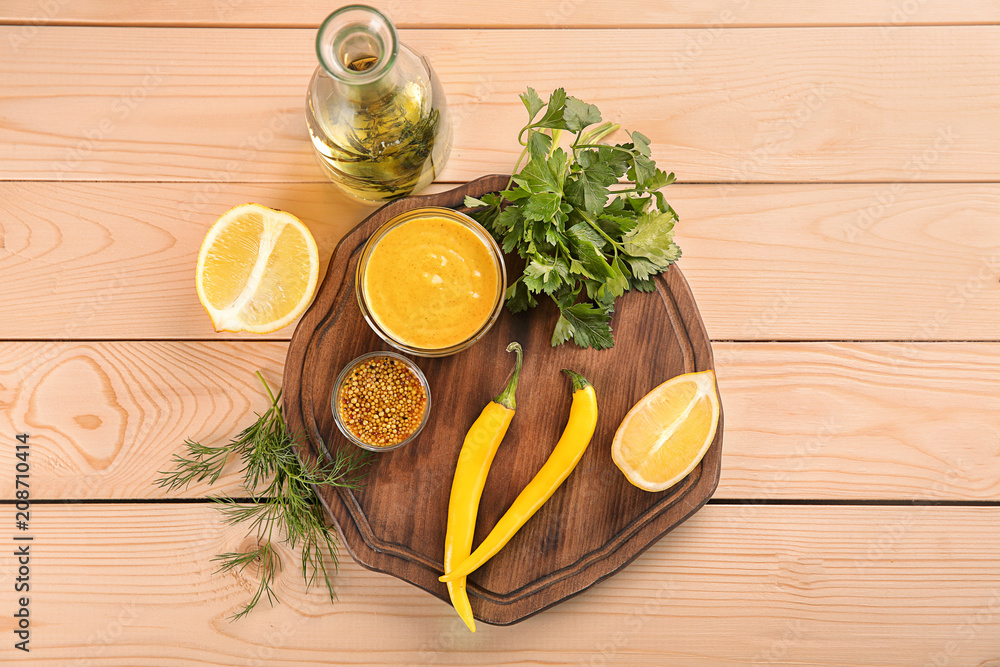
x=357 y=46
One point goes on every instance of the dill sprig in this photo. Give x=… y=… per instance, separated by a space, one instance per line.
x=283 y=504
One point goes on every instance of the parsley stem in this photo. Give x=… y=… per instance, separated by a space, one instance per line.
x=562 y=246
x=601 y=131
x=517 y=166
x=597 y=228
x=556 y=136
x=575 y=146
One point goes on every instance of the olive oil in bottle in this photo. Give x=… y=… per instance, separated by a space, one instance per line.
x=375 y=110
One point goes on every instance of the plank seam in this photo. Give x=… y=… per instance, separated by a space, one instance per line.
x=64 y=181
x=125 y=501
x=735 y=341
x=790 y=502
x=42 y=23
x=847 y=502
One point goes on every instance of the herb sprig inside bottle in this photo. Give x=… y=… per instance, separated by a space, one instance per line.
x=283 y=506
x=375 y=109
x=584 y=244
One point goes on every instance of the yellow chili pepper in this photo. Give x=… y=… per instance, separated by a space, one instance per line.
x=474 y=461
x=567 y=453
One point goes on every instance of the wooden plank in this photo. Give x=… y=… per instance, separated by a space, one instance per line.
x=897 y=261
x=830 y=421
x=104 y=418
x=735 y=105
x=119 y=261
x=119 y=585
x=512 y=14
x=859 y=421
x=765 y=262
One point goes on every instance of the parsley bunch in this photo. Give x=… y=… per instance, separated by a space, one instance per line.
x=585 y=238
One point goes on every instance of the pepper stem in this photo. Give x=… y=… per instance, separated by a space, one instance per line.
x=579 y=382
x=506 y=397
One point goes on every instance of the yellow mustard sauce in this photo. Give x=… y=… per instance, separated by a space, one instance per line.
x=431 y=283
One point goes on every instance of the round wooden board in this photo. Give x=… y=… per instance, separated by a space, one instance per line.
x=594 y=525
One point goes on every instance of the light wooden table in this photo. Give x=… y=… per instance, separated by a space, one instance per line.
x=838 y=168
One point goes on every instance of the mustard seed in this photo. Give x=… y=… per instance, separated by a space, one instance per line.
x=381 y=401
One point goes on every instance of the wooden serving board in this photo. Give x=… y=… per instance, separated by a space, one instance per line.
x=594 y=525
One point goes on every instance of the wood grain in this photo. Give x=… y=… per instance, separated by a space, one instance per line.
x=105 y=418
x=828 y=586
x=724 y=105
x=905 y=261
x=897 y=261
x=889 y=112
x=825 y=421
x=860 y=421
x=110 y=261
x=511 y=14
x=594 y=524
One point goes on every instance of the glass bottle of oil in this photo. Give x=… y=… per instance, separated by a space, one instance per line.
x=375 y=109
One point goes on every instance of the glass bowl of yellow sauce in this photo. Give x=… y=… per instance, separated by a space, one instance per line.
x=431 y=281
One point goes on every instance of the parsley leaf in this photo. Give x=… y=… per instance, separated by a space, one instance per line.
x=588 y=188
x=543 y=206
x=518 y=297
x=616 y=285
x=579 y=115
x=532 y=102
x=553 y=116
x=639 y=140
x=653 y=238
x=543 y=275
x=643 y=269
x=644 y=285
x=544 y=175
x=585 y=244
x=539 y=145
x=586 y=325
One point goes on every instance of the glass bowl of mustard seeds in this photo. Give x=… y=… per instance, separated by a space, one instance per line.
x=381 y=401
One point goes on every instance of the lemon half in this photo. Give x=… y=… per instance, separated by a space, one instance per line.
x=257 y=269
x=666 y=434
